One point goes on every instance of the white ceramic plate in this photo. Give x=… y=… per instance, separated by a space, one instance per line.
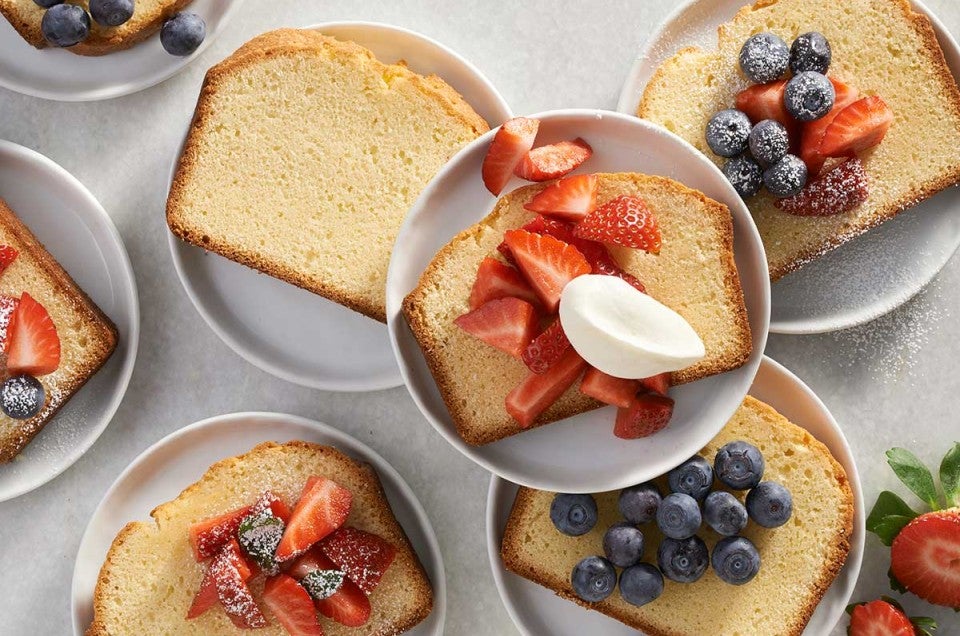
x=161 y=473
x=869 y=276
x=564 y=456
x=292 y=333
x=62 y=75
x=73 y=227
x=537 y=610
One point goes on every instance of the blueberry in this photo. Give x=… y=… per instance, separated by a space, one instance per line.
x=46 y=4
x=693 y=477
x=769 y=504
x=573 y=515
x=640 y=584
x=735 y=560
x=593 y=579
x=739 y=465
x=744 y=174
x=183 y=33
x=21 y=397
x=65 y=25
x=727 y=132
x=768 y=142
x=111 y=12
x=683 y=560
x=809 y=95
x=786 y=177
x=724 y=513
x=638 y=504
x=678 y=516
x=810 y=52
x=623 y=544
x=764 y=58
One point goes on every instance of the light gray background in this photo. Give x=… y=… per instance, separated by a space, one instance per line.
x=895 y=381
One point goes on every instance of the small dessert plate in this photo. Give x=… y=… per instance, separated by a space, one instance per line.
x=165 y=469
x=64 y=76
x=867 y=277
x=537 y=610
x=290 y=332
x=581 y=453
x=76 y=230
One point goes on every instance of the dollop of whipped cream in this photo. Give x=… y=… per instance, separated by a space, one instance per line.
x=624 y=332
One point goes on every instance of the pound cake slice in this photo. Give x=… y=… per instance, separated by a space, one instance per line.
x=799 y=560
x=304 y=155
x=881 y=47
x=87 y=337
x=694 y=275
x=150 y=576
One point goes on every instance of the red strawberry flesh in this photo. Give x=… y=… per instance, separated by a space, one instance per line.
x=879 y=618
x=323 y=507
x=547 y=263
x=292 y=606
x=7 y=256
x=508 y=324
x=765 y=101
x=812 y=133
x=858 y=127
x=362 y=556
x=497 y=280
x=553 y=161
x=349 y=606
x=208 y=536
x=656 y=383
x=232 y=590
x=646 y=415
x=925 y=557
x=840 y=190
x=546 y=349
x=625 y=221
x=608 y=389
x=510 y=144
x=568 y=199
x=33 y=345
x=537 y=392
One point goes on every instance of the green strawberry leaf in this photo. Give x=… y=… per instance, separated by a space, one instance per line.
x=914 y=475
x=892 y=601
x=852 y=606
x=888 y=517
x=950 y=475
x=895 y=585
x=924 y=624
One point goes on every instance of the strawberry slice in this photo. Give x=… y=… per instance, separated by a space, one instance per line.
x=765 y=101
x=509 y=146
x=207 y=537
x=553 y=161
x=33 y=346
x=230 y=573
x=362 y=556
x=349 y=606
x=547 y=264
x=546 y=349
x=925 y=557
x=496 y=280
x=538 y=391
x=625 y=221
x=312 y=559
x=813 y=131
x=838 y=191
x=569 y=199
x=608 y=389
x=206 y=596
x=861 y=125
x=656 y=383
x=292 y=606
x=879 y=618
x=323 y=507
x=506 y=323
x=7 y=256
x=647 y=414
x=8 y=304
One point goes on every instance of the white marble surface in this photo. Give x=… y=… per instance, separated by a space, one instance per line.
x=893 y=382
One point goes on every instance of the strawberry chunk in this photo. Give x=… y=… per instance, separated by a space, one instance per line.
x=230 y=573
x=647 y=414
x=861 y=125
x=925 y=557
x=323 y=507
x=292 y=606
x=33 y=345
x=813 y=131
x=537 y=391
x=879 y=618
x=547 y=264
x=206 y=596
x=625 y=221
x=348 y=606
x=569 y=199
x=656 y=383
x=765 y=101
x=838 y=191
x=362 y=556
x=207 y=537
x=7 y=256
x=510 y=144
x=496 y=280
x=508 y=324
x=560 y=230
x=546 y=349
x=608 y=389
x=553 y=161
x=312 y=559
x=8 y=304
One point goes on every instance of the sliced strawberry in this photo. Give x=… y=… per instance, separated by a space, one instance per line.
x=813 y=131
x=569 y=199
x=608 y=389
x=765 y=101
x=362 y=556
x=323 y=507
x=838 y=191
x=558 y=229
x=861 y=125
x=547 y=264
x=546 y=349
x=553 y=161
x=656 y=383
x=508 y=324
x=33 y=346
x=292 y=606
x=349 y=606
x=647 y=414
x=509 y=146
x=925 y=557
x=280 y=510
x=207 y=537
x=496 y=280
x=312 y=559
x=230 y=573
x=8 y=304
x=879 y=618
x=206 y=596
x=7 y=256
x=625 y=221
x=537 y=392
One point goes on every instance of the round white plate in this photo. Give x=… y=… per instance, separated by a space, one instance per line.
x=869 y=276
x=75 y=229
x=537 y=610
x=290 y=332
x=59 y=74
x=563 y=456
x=165 y=469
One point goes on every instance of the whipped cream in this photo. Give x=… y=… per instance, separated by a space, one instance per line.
x=624 y=332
